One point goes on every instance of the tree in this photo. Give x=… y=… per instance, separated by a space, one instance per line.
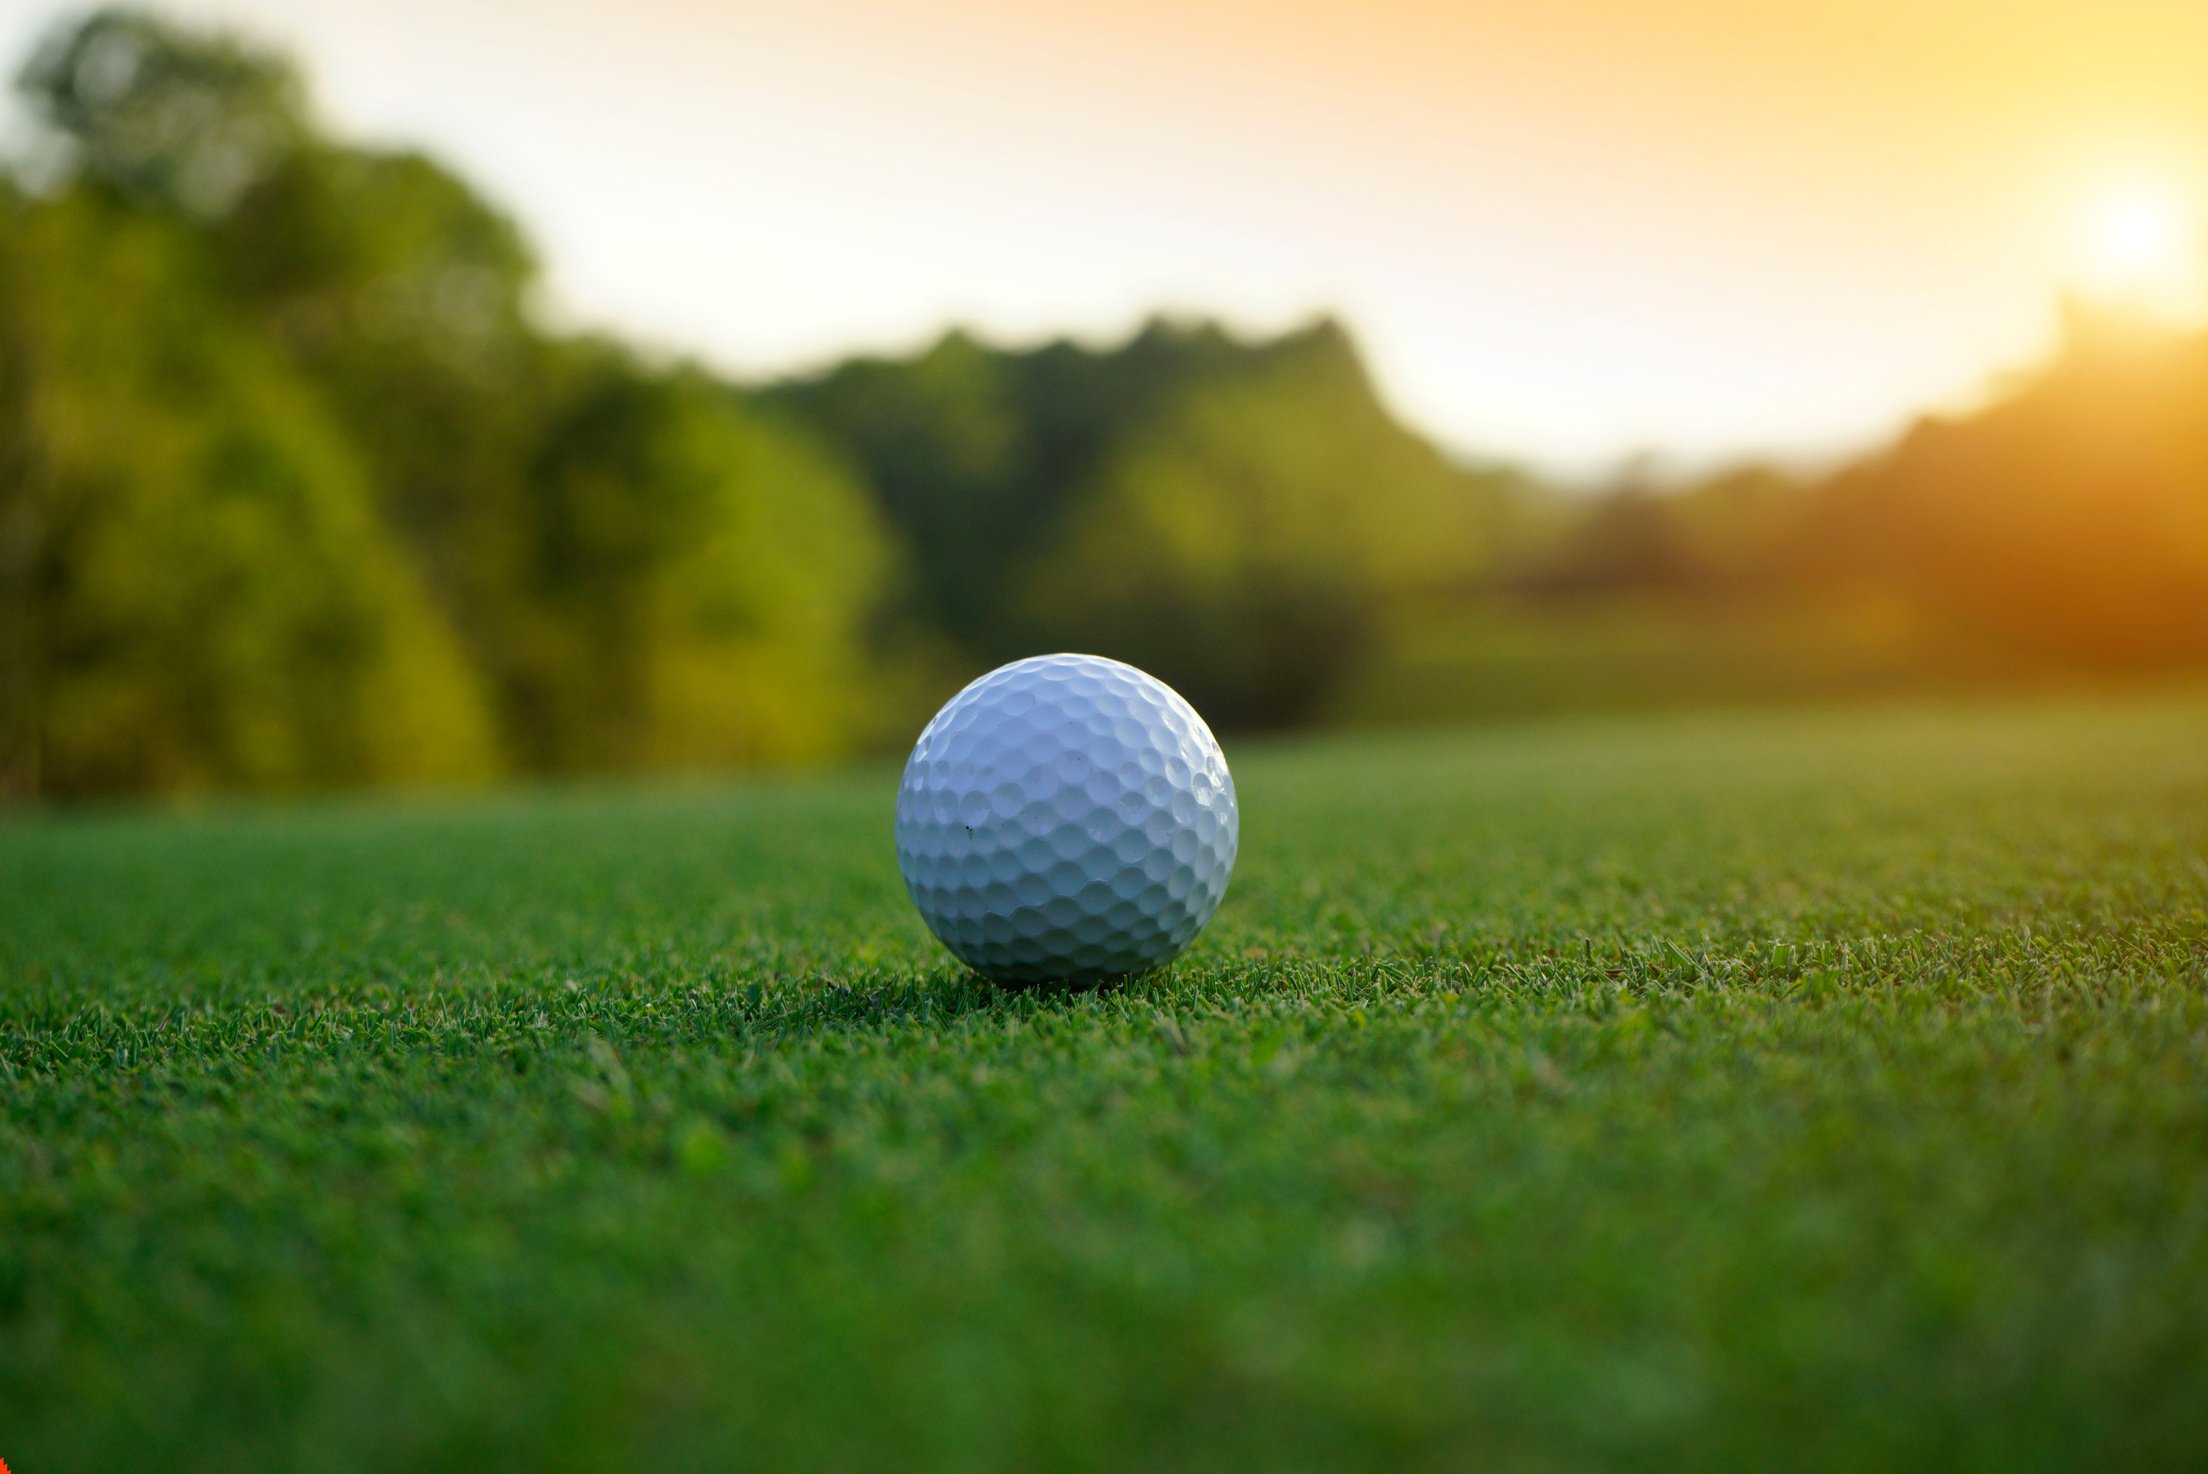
x=942 y=445
x=198 y=590
x=700 y=579
x=1247 y=542
x=170 y=122
x=2069 y=519
x=319 y=382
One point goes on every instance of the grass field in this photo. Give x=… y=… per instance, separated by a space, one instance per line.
x=1813 y=1090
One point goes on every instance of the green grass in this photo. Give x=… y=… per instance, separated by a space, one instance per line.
x=1815 y=1090
x=1656 y=651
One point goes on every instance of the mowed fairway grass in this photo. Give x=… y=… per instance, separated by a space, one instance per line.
x=1804 y=1090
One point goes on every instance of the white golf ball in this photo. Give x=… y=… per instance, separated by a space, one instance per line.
x=1066 y=819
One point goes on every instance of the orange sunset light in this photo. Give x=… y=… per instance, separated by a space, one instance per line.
x=1562 y=231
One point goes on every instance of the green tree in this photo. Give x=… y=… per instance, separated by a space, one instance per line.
x=639 y=569
x=944 y=449
x=700 y=579
x=1247 y=542
x=197 y=588
x=1243 y=517
x=183 y=124
x=977 y=455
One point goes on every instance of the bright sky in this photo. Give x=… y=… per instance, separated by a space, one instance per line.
x=1564 y=229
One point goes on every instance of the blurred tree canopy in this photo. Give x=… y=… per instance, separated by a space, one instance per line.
x=1247 y=542
x=198 y=589
x=297 y=490
x=1235 y=517
x=2070 y=519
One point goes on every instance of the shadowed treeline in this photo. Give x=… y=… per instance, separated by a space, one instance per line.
x=297 y=490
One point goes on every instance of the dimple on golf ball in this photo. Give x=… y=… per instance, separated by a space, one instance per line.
x=1066 y=818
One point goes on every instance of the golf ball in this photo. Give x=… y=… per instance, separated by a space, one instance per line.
x=1066 y=818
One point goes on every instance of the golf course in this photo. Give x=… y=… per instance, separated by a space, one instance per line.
x=1817 y=1088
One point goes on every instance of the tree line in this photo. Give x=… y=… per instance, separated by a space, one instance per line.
x=297 y=490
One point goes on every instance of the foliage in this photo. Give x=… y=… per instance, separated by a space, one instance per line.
x=947 y=456
x=304 y=495
x=180 y=124
x=1805 y=1091
x=705 y=576
x=2071 y=518
x=1246 y=543
x=1237 y=517
x=297 y=489
x=199 y=591
x=2060 y=530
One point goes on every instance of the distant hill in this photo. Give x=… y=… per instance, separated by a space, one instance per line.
x=1237 y=515
x=2058 y=533
x=298 y=489
x=2068 y=520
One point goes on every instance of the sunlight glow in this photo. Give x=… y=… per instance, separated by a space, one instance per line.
x=1546 y=223
x=2143 y=245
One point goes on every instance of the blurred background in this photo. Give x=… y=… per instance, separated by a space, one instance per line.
x=403 y=393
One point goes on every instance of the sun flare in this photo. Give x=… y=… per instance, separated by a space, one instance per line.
x=2141 y=242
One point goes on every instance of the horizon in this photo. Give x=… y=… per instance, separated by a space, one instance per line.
x=1642 y=275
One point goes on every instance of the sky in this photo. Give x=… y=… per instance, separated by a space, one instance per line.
x=1565 y=231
